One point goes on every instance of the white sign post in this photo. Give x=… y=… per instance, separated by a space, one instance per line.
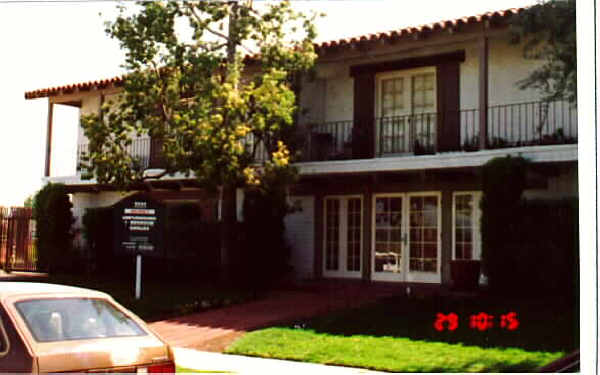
x=138 y=276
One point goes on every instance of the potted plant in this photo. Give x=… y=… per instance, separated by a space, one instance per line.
x=423 y=149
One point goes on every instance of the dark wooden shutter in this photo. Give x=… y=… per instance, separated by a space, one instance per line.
x=363 y=131
x=448 y=76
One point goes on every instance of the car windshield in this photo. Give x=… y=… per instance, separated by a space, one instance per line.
x=58 y=319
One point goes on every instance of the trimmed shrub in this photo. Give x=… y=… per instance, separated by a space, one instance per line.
x=529 y=247
x=192 y=243
x=52 y=213
x=503 y=181
x=263 y=252
x=98 y=232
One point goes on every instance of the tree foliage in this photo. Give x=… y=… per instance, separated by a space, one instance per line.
x=548 y=32
x=212 y=81
x=503 y=182
x=53 y=217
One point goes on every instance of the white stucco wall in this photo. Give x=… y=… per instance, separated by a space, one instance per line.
x=506 y=67
x=90 y=104
x=81 y=201
x=299 y=233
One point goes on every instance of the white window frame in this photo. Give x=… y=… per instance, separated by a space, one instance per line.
x=406 y=275
x=407 y=74
x=476 y=235
x=342 y=271
x=404 y=73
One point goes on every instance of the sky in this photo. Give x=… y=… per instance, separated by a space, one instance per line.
x=50 y=44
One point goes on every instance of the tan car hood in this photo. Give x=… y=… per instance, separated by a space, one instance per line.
x=100 y=353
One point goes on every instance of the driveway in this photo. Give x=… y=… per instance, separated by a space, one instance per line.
x=214 y=330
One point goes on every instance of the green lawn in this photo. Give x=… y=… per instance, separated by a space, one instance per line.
x=160 y=300
x=398 y=335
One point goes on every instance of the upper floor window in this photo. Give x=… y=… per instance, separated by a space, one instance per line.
x=406 y=92
x=406 y=110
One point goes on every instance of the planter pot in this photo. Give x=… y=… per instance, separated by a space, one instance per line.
x=465 y=274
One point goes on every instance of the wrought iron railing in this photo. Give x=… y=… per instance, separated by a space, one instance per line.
x=147 y=152
x=510 y=125
x=531 y=124
x=328 y=141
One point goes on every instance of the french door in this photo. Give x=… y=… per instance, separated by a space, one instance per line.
x=342 y=247
x=406 y=239
x=406 y=110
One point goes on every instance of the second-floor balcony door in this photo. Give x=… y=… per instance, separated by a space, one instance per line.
x=343 y=236
x=406 y=111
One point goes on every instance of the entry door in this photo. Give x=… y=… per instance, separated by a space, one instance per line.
x=342 y=245
x=406 y=237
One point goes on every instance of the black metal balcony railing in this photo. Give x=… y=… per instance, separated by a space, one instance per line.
x=328 y=141
x=144 y=149
x=511 y=125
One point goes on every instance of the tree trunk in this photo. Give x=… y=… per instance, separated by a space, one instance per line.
x=228 y=234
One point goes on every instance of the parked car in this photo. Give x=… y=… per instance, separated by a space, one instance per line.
x=56 y=328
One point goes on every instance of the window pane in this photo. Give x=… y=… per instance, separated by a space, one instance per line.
x=465 y=226
x=54 y=319
x=424 y=234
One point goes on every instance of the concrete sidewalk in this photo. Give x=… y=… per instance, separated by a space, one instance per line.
x=237 y=364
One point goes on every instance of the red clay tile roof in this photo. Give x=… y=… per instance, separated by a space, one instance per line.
x=319 y=47
x=85 y=86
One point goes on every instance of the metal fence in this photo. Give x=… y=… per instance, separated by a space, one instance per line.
x=509 y=125
x=17 y=239
x=145 y=150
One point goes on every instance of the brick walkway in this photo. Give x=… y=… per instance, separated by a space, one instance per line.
x=215 y=329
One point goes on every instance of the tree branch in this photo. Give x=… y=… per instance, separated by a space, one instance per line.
x=199 y=20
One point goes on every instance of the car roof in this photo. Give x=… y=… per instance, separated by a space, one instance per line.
x=13 y=288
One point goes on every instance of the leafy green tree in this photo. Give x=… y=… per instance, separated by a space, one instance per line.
x=213 y=83
x=53 y=217
x=548 y=32
x=28 y=201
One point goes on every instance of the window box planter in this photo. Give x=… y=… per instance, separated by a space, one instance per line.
x=465 y=274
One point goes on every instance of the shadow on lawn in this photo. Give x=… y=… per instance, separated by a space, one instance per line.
x=544 y=324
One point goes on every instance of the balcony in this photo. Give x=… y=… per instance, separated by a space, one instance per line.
x=511 y=125
x=508 y=126
x=146 y=150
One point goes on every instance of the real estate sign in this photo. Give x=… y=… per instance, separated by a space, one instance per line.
x=139 y=225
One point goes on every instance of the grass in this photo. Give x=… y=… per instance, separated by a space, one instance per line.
x=398 y=335
x=160 y=300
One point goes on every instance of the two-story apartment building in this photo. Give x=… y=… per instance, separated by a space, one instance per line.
x=397 y=126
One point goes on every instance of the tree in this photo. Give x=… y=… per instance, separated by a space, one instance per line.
x=548 y=32
x=28 y=201
x=53 y=217
x=189 y=87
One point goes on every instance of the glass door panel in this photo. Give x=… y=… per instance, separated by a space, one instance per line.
x=394 y=112
x=423 y=112
x=342 y=236
x=424 y=237
x=332 y=225
x=406 y=237
x=354 y=235
x=388 y=235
